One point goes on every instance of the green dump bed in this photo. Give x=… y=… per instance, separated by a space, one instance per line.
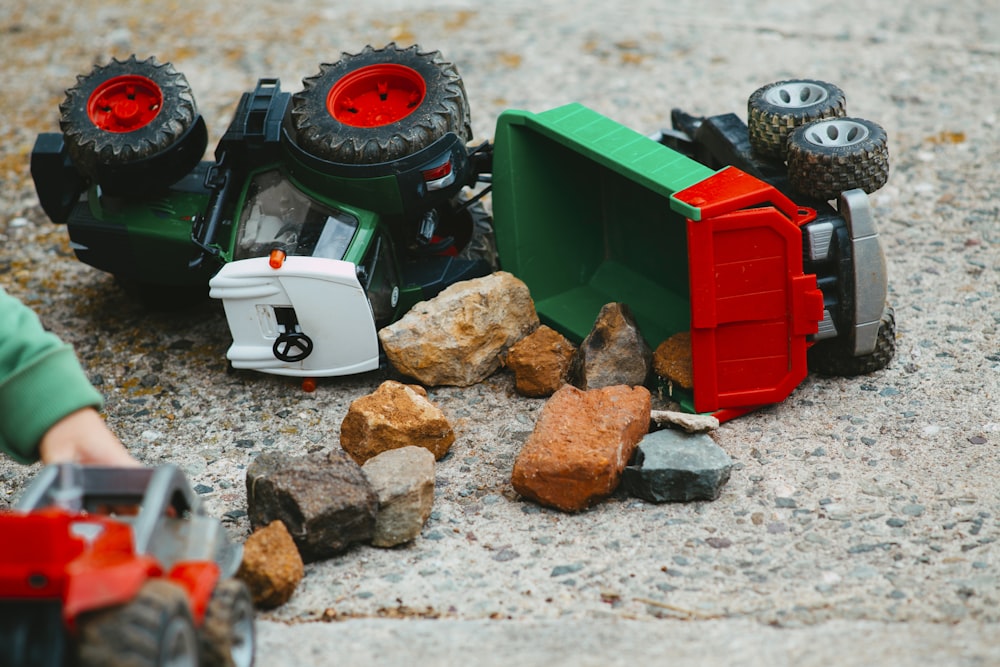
x=583 y=214
x=588 y=212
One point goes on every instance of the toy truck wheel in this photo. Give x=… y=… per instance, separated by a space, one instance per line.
x=227 y=634
x=776 y=109
x=379 y=105
x=834 y=357
x=131 y=123
x=155 y=629
x=835 y=155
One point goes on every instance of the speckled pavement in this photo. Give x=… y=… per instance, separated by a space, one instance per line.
x=860 y=522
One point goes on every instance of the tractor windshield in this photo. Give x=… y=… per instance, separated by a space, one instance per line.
x=276 y=214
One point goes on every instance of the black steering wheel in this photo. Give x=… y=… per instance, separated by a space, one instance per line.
x=292 y=346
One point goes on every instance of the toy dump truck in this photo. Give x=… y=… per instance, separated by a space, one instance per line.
x=328 y=213
x=119 y=566
x=704 y=229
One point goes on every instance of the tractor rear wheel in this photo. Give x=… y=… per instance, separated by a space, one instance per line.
x=379 y=105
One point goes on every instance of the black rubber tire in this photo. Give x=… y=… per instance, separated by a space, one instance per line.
x=444 y=108
x=834 y=155
x=227 y=633
x=834 y=356
x=776 y=109
x=151 y=630
x=482 y=243
x=91 y=147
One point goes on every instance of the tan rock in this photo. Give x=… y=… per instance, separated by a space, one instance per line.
x=458 y=337
x=672 y=360
x=581 y=444
x=272 y=567
x=404 y=481
x=540 y=362
x=394 y=415
x=691 y=423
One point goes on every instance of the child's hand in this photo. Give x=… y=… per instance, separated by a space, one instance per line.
x=83 y=437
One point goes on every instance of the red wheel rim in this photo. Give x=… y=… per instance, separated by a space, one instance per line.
x=124 y=103
x=376 y=95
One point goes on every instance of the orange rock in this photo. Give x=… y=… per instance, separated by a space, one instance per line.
x=672 y=360
x=394 y=415
x=540 y=362
x=272 y=567
x=581 y=444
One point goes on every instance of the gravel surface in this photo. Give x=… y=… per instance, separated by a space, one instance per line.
x=861 y=518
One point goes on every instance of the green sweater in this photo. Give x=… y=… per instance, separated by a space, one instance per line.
x=41 y=381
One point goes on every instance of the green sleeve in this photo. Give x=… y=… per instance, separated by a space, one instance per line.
x=41 y=381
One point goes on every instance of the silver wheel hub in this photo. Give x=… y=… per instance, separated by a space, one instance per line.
x=836 y=132
x=796 y=95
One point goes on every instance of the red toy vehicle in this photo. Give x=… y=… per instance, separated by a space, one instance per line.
x=119 y=566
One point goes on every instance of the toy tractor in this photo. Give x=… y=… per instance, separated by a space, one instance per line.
x=119 y=566
x=325 y=215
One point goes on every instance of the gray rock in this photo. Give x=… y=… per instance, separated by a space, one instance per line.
x=403 y=479
x=325 y=501
x=671 y=466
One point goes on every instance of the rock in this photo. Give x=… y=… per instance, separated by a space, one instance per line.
x=394 y=415
x=672 y=360
x=689 y=422
x=540 y=362
x=671 y=466
x=272 y=566
x=581 y=443
x=458 y=337
x=613 y=353
x=403 y=479
x=325 y=501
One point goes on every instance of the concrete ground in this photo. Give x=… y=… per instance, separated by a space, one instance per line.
x=860 y=524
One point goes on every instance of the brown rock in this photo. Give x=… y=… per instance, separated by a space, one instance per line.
x=672 y=360
x=404 y=481
x=394 y=415
x=613 y=353
x=581 y=444
x=458 y=337
x=540 y=362
x=272 y=567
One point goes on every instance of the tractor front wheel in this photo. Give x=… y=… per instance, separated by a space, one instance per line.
x=227 y=635
x=153 y=630
x=132 y=125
